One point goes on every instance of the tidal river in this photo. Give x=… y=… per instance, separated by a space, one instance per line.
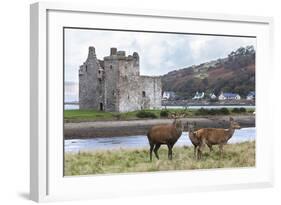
x=140 y=141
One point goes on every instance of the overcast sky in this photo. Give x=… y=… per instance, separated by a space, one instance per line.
x=159 y=53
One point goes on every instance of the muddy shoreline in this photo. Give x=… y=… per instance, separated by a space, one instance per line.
x=85 y=130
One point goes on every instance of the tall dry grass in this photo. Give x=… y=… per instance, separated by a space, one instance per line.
x=124 y=160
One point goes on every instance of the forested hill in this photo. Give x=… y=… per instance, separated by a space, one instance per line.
x=235 y=73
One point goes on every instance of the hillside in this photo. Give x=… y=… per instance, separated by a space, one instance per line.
x=235 y=73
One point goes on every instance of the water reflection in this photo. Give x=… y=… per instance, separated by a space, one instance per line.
x=140 y=141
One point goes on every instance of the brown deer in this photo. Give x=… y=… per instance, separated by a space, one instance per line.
x=215 y=136
x=164 y=134
x=193 y=138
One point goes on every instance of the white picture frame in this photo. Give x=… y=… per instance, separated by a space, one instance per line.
x=47 y=182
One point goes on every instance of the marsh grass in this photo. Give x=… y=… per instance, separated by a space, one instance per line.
x=93 y=115
x=127 y=160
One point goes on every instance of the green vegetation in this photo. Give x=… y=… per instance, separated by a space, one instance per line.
x=120 y=161
x=239 y=110
x=224 y=111
x=164 y=113
x=93 y=115
x=86 y=115
x=146 y=114
x=221 y=111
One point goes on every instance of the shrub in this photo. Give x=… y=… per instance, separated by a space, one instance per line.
x=239 y=110
x=242 y=109
x=236 y=110
x=224 y=111
x=164 y=113
x=201 y=111
x=145 y=114
x=212 y=112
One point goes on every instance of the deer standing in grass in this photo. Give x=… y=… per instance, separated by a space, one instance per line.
x=193 y=138
x=215 y=136
x=164 y=134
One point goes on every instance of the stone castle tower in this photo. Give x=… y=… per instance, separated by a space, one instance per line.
x=114 y=84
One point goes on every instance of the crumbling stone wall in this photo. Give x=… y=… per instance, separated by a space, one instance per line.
x=115 y=84
x=91 y=83
x=151 y=92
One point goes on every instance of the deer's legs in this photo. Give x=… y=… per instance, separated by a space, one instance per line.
x=150 y=151
x=195 y=151
x=221 y=150
x=170 y=152
x=199 y=153
x=156 y=150
x=199 y=150
x=210 y=147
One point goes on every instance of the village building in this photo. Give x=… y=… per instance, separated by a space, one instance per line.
x=229 y=96
x=213 y=96
x=251 y=95
x=168 y=95
x=198 y=96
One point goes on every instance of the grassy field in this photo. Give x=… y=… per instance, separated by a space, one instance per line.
x=93 y=115
x=122 y=161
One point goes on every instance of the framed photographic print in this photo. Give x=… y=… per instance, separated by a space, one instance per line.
x=121 y=98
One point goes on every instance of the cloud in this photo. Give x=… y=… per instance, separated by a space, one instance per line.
x=159 y=53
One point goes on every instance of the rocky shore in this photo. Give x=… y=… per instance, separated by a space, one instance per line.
x=84 y=130
x=204 y=102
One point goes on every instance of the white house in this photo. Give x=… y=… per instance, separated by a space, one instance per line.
x=213 y=96
x=251 y=95
x=168 y=95
x=229 y=96
x=198 y=96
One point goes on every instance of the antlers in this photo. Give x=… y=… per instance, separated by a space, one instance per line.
x=176 y=115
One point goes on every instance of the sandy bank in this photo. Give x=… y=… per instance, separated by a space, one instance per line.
x=140 y=127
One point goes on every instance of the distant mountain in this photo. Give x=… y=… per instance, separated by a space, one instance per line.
x=235 y=73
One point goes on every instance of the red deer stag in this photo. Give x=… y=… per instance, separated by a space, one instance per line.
x=215 y=136
x=164 y=134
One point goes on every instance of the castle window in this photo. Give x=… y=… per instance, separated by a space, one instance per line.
x=99 y=81
x=99 y=71
x=143 y=94
x=128 y=97
x=111 y=67
x=113 y=92
x=86 y=68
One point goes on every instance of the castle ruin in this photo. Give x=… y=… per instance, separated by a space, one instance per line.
x=114 y=84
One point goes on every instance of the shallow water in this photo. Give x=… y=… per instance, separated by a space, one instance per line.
x=140 y=141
